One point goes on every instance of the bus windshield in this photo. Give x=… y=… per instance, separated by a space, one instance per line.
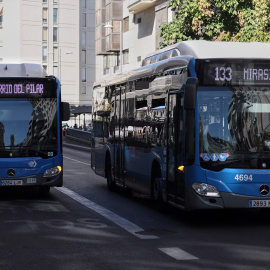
x=28 y=127
x=234 y=127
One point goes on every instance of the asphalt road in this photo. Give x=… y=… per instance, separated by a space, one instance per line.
x=84 y=226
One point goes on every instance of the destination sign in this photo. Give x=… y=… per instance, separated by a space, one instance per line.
x=18 y=89
x=28 y=87
x=234 y=72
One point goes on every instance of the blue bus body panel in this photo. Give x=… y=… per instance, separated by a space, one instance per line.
x=138 y=165
x=25 y=166
x=238 y=181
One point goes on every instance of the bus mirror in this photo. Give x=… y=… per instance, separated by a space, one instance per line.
x=190 y=93
x=65 y=111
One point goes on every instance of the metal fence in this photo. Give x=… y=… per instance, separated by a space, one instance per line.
x=79 y=134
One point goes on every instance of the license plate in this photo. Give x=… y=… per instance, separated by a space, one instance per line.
x=11 y=182
x=259 y=203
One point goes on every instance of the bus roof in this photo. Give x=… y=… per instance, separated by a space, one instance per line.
x=202 y=49
x=22 y=70
x=198 y=49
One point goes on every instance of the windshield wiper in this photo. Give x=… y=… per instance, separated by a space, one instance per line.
x=40 y=153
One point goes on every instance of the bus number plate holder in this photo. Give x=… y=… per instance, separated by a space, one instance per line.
x=259 y=203
x=11 y=182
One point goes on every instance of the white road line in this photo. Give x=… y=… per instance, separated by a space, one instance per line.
x=178 y=254
x=121 y=222
x=77 y=161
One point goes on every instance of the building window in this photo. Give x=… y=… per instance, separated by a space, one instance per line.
x=1 y=20
x=55 y=16
x=83 y=19
x=126 y=24
x=84 y=4
x=83 y=38
x=44 y=1
x=55 y=71
x=83 y=56
x=45 y=15
x=55 y=1
x=83 y=74
x=110 y=61
x=125 y=57
x=55 y=36
x=55 y=54
x=44 y=33
x=44 y=53
x=83 y=90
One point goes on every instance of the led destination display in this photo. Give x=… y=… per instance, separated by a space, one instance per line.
x=234 y=72
x=34 y=87
x=21 y=89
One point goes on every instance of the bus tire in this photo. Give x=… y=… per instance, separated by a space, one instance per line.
x=110 y=182
x=157 y=189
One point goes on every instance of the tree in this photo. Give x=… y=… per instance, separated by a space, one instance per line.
x=228 y=20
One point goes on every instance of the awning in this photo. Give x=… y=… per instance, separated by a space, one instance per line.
x=140 y=5
x=80 y=110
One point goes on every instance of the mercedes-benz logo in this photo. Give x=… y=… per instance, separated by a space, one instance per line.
x=264 y=190
x=11 y=172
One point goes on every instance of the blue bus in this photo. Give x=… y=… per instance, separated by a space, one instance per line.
x=31 y=112
x=190 y=127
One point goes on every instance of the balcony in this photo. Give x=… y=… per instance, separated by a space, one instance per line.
x=136 y=6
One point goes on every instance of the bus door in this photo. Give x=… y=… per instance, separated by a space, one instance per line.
x=99 y=140
x=175 y=132
x=119 y=139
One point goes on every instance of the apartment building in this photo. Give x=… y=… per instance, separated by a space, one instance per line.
x=59 y=34
x=138 y=36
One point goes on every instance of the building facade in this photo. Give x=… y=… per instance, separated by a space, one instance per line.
x=138 y=36
x=59 y=34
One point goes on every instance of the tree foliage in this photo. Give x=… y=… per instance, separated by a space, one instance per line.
x=223 y=20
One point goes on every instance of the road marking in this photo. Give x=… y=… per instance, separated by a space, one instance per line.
x=77 y=161
x=121 y=222
x=178 y=254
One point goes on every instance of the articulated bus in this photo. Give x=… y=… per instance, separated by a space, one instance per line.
x=190 y=127
x=31 y=112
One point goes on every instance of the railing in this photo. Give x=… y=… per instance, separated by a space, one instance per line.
x=80 y=135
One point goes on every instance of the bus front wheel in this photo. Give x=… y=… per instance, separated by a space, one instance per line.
x=157 y=189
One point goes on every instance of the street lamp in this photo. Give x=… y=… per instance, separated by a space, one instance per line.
x=60 y=62
x=109 y=26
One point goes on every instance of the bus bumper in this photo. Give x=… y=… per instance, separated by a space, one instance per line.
x=193 y=201
x=33 y=180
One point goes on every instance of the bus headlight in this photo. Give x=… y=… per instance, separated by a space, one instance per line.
x=205 y=190
x=52 y=171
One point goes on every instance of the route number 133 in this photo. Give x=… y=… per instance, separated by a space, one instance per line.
x=223 y=74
